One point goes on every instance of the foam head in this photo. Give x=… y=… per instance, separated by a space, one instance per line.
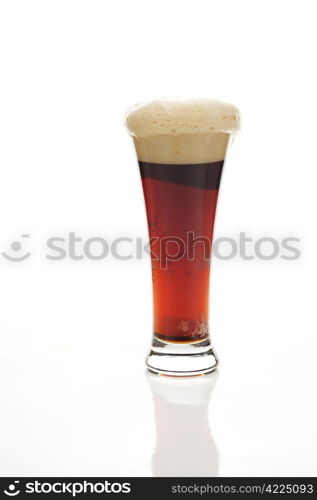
x=182 y=131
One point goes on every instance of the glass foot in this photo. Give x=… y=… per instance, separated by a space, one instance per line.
x=181 y=360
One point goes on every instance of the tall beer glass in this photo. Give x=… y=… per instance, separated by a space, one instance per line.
x=181 y=147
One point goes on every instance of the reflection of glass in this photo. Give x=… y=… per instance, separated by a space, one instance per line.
x=184 y=444
x=181 y=148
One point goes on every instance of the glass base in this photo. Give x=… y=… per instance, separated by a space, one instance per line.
x=181 y=360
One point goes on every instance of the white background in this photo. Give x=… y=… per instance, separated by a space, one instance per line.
x=75 y=399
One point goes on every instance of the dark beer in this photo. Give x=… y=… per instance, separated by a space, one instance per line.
x=181 y=203
x=181 y=148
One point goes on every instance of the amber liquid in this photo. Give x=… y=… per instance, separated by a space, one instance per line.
x=181 y=203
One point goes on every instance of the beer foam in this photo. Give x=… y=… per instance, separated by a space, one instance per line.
x=192 y=116
x=182 y=131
